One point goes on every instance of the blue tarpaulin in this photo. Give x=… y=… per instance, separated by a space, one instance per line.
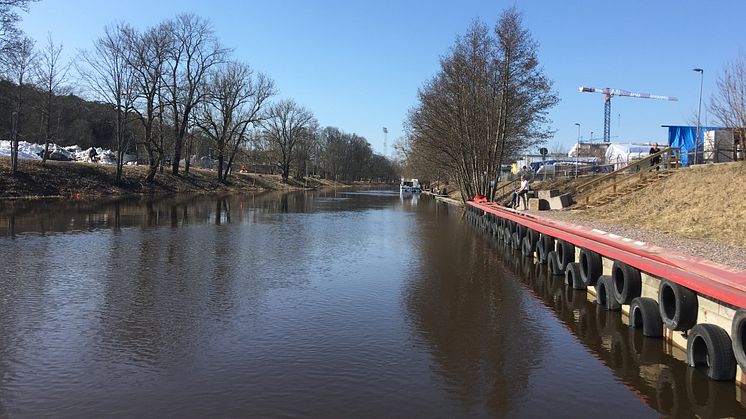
x=682 y=136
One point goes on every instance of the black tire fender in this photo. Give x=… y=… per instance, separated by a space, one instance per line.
x=515 y=241
x=678 y=306
x=526 y=248
x=572 y=276
x=553 y=263
x=543 y=247
x=605 y=294
x=738 y=333
x=591 y=266
x=533 y=236
x=644 y=313
x=627 y=282
x=710 y=346
x=566 y=253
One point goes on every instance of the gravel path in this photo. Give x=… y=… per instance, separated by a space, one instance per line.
x=729 y=255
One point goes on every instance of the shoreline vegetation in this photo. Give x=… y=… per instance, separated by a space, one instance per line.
x=74 y=180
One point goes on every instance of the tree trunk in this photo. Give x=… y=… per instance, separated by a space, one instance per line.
x=220 y=168
x=152 y=163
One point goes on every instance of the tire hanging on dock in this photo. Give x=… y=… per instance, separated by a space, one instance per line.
x=527 y=250
x=553 y=263
x=543 y=247
x=738 y=333
x=627 y=282
x=678 y=306
x=591 y=266
x=644 y=314
x=710 y=346
x=565 y=253
x=605 y=295
x=572 y=276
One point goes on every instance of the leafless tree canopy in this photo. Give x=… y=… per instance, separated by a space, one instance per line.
x=10 y=35
x=489 y=101
x=51 y=73
x=234 y=104
x=172 y=92
x=148 y=52
x=195 y=50
x=729 y=103
x=20 y=63
x=107 y=72
x=286 y=126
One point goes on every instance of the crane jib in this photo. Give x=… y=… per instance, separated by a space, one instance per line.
x=620 y=92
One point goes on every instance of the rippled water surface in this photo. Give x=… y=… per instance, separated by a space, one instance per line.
x=324 y=304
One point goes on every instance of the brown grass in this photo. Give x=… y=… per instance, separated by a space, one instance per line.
x=702 y=202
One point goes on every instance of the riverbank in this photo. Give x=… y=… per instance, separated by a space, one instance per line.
x=84 y=180
x=696 y=211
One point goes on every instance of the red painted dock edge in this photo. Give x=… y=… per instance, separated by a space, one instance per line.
x=718 y=282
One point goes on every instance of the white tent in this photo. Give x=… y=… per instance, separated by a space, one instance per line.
x=621 y=155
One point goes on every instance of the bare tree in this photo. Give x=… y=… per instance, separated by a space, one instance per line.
x=287 y=125
x=110 y=78
x=489 y=101
x=194 y=50
x=10 y=35
x=147 y=57
x=20 y=62
x=51 y=73
x=729 y=103
x=234 y=104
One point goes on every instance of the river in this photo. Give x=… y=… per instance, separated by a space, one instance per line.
x=311 y=304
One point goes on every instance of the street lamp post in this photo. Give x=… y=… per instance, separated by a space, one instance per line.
x=699 y=112
x=577 y=152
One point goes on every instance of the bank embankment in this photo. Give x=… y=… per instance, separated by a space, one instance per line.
x=699 y=211
x=85 y=180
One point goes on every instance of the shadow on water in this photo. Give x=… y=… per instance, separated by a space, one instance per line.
x=482 y=336
x=645 y=365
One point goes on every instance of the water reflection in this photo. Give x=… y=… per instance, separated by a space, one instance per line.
x=323 y=304
x=483 y=337
x=58 y=216
x=645 y=365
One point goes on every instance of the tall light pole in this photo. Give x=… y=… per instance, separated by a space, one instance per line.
x=385 y=138
x=699 y=112
x=577 y=152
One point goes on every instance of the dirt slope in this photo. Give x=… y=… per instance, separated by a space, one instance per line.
x=703 y=202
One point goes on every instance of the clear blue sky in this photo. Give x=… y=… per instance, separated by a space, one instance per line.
x=357 y=65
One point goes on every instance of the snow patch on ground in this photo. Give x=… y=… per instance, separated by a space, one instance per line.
x=33 y=151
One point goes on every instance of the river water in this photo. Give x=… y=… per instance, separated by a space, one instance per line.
x=318 y=304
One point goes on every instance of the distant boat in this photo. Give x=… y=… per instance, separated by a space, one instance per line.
x=409 y=185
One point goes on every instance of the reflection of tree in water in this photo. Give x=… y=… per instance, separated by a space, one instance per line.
x=663 y=382
x=164 y=288
x=167 y=288
x=480 y=333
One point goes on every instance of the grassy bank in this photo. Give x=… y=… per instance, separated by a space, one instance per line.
x=85 y=180
x=707 y=201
